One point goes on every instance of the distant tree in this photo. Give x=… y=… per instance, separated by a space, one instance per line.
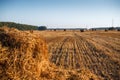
x=93 y=29
x=42 y=28
x=18 y=26
x=111 y=28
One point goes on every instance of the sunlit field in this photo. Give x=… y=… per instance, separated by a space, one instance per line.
x=97 y=51
x=59 y=55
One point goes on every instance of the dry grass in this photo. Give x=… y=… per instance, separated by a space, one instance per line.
x=24 y=56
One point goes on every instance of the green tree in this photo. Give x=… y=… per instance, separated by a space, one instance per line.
x=42 y=28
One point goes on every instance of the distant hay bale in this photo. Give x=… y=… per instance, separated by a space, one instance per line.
x=118 y=29
x=22 y=55
x=64 y=30
x=54 y=29
x=106 y=30
x=82 y=30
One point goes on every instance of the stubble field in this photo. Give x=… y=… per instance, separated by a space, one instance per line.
x=97 y=51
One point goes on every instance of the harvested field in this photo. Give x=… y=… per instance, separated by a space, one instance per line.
x=97 y=51
x=24 y=56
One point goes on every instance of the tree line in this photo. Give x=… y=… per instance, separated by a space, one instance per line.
x=22 y=26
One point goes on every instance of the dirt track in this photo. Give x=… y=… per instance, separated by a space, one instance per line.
x=97 y=51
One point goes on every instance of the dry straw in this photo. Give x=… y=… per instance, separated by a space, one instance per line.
x=22 y=55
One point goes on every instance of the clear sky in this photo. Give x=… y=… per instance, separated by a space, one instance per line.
x=61 y=13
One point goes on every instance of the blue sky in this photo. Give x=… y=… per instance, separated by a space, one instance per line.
x=61 y=13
